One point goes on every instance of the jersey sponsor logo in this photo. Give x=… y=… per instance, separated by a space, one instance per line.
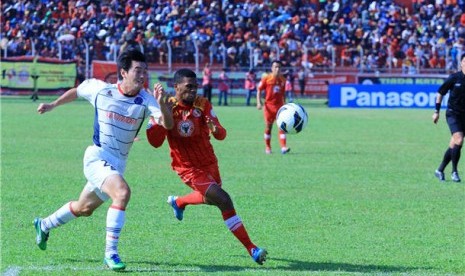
x=121 y=118
x=186 y=128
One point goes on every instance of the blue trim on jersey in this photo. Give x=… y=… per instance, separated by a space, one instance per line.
x=117 y=149
x=96 y=136
x=120 y=141
x=141 y=123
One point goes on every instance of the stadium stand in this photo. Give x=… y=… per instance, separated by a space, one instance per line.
x=345 y=35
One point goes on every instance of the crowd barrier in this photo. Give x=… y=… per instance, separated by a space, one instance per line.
x=346 y=89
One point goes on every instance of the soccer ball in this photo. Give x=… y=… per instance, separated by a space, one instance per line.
x=291 y=118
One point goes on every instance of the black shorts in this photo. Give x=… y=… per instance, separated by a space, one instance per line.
x=456 y=121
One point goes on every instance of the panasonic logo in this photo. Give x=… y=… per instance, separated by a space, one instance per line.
x=386 y=96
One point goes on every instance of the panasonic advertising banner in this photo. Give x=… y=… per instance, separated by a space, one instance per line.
x=383 y=96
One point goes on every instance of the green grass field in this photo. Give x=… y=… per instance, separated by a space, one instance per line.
x=356 y=195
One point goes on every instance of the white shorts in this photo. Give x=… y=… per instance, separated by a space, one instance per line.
x=98 y=165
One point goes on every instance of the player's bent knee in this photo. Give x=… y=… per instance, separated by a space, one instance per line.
x=225 y=202
x=121 y=195
x=458 y=141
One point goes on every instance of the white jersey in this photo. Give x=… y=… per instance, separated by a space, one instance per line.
x=118 y=118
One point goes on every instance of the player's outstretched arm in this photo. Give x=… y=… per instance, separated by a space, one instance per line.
x=67 y=97
x=165 y=106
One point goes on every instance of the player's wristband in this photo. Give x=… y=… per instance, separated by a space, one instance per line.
x=437 y=108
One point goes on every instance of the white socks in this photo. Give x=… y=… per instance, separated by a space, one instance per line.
x=115 y=222
x=60 y=217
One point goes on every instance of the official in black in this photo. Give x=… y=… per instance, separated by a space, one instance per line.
x=455 y=116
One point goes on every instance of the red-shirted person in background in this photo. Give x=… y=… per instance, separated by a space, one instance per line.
x=193 y=157
x=274 y=86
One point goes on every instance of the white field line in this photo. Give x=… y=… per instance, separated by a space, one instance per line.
x=16 y=270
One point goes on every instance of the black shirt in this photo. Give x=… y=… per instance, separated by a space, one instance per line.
x=455 y=83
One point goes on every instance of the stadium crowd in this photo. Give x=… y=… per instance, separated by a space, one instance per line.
x=376 y=34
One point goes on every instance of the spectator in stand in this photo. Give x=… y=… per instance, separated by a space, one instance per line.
x=365 y=23
x=346 y=56
x=436 y=62
x=250 y=85
x=316 y=58
x=223 y=87
x=207 y=82
x=162 y=51
x=231 y=57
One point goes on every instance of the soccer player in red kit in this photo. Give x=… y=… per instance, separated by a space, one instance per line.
x=274 y=86
x=193 y=157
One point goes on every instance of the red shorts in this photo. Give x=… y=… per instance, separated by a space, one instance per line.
x=269 y=113
x=199 y=179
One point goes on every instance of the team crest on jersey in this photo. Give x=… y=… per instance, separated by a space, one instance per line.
x=196 y=112
x=186 y=128
x=276 y=89
x=138 y=100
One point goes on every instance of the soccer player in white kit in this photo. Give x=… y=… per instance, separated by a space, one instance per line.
x=120 y=110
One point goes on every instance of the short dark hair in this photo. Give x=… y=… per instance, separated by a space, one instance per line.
x=277 y=61
x=184 y=73
x=125 y=60
x=463 y=56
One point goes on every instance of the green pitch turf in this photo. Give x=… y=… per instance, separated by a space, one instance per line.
x=355 y=196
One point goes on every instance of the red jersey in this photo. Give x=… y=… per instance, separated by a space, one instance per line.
x=274 y=91
x=223 y=84
x=189 y=139
x=250 y=81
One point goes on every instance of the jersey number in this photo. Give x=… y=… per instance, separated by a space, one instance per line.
x=106 y=165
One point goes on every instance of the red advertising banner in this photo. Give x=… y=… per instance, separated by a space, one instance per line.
x=315 y=85
x=104 y=70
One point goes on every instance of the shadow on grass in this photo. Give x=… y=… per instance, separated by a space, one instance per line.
x=285 y=265
x=296 y=265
